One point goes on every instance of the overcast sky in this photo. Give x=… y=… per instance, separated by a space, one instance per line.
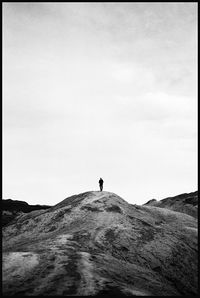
x=96 y=90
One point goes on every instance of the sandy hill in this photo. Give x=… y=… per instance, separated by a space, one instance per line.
x=186 y=203
x=95 y=243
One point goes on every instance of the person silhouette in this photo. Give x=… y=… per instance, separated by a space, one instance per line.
x=101 y=184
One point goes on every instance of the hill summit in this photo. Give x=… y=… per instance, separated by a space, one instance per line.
x=95 y=243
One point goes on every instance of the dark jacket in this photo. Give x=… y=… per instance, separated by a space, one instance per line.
x=101 y=181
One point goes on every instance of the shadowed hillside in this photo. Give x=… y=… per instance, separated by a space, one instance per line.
x=186 y=203
x=12 y=208
x=95 y=243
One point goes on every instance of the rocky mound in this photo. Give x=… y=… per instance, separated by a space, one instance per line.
x=186 y=203
x=96 y=243
x=12 y=208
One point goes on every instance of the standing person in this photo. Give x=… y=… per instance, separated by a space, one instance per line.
x=101 y=184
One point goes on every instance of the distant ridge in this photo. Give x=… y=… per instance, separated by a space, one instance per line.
x=186 y=203
x=11 y=208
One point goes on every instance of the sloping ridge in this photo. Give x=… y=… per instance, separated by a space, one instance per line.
x=185 y=203
x=12 y=208
x=95 y=243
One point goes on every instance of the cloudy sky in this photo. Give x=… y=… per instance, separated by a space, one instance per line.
x=96 y=90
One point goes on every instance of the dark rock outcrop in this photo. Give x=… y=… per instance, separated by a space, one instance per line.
x=12 y=208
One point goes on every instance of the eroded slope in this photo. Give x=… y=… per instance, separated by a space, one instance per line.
x=96 y=243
